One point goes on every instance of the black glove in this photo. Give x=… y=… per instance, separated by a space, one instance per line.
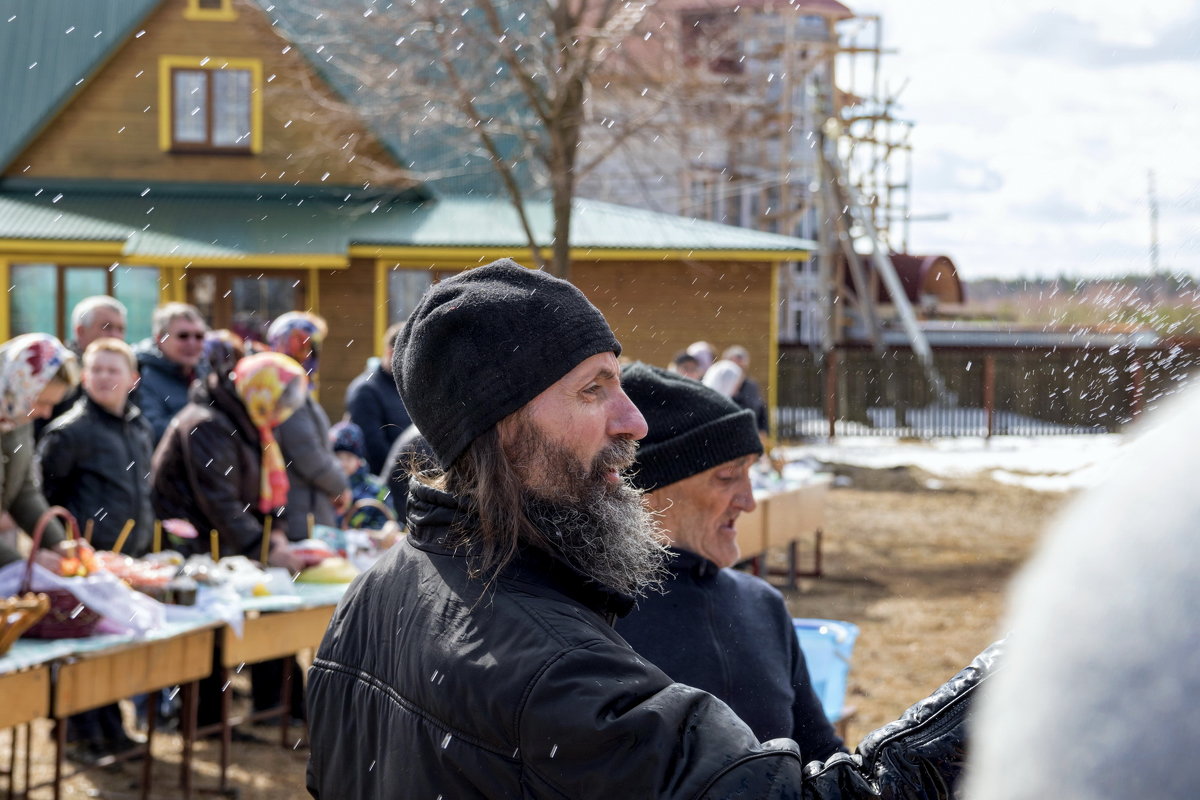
x=919 y=756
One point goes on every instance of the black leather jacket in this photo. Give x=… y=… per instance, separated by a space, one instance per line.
x=430 y=682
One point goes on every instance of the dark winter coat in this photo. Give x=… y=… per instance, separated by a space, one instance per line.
x=314 y=473
x=749 y=395
x=207 y=468
x=430 y=682
x=374 y=405
x=19 y=490
x=408 y=445
x=97 y=466
x=62 y=407
x=730 y=634
x=163 y=389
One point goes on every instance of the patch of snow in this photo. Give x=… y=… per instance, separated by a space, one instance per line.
x=1043 y=463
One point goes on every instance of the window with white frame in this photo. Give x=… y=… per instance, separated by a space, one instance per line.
x=210 y=105
x=211 y=109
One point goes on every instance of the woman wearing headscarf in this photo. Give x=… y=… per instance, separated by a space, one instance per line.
x=317 y=484
x=219 y=466
x=36 y=372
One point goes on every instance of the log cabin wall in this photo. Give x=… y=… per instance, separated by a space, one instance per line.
x=347 y=303
x=658 y=308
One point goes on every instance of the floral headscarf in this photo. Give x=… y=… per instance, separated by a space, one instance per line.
x=27 y=363
x=271 y=387
x=299 y=335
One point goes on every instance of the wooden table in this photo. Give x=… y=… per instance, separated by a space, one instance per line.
x=97 y=677
x=781 y=518
x=26 y=698
x=55 y=679
x=268 y=633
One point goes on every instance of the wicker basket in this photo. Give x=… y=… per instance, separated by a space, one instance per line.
x=18 y=614
x=67 y=618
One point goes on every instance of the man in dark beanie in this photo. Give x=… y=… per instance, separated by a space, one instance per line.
x=477 y=657
x=730 y=633
x=718 y=629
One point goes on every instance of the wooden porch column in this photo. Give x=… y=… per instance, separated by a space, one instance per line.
x=5 y=319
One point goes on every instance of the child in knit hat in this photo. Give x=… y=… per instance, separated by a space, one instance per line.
x=350 y=448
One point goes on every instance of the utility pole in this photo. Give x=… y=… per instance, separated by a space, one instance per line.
x=1153 y=225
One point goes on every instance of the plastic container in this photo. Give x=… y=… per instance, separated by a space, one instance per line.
x=828 y=645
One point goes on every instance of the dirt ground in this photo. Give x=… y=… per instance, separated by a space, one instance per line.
x=923 y=573
x=920 y=570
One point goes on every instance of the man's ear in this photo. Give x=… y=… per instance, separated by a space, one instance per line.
x=509 y=428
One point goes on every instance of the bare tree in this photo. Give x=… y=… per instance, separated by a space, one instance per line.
x=486 y=92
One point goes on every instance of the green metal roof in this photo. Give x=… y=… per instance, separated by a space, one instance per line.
x=342 y=47
x=473 y=222
x=183 y=226
x=159 y=222
x=49 y=49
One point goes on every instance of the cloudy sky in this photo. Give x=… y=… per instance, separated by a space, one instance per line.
x=1037 y=125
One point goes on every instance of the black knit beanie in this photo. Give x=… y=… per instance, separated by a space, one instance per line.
x=482 y=344
x=691 y=427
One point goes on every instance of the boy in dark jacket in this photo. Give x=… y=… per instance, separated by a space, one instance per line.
x=95 y=460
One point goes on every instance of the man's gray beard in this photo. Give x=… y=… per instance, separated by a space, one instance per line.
x=611 y=537
x=600 y=528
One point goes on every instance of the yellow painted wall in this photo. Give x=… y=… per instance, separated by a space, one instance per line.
x=347 y=304
x=658 y=308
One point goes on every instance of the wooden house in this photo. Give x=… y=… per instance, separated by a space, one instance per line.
x=163 y=150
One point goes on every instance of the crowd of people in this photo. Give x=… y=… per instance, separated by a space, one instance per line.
x=729 y=375
x=194 y=427
x=570 y=594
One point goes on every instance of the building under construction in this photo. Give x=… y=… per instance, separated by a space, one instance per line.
x=774 y=115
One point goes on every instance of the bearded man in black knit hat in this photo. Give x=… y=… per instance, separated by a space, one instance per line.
x=478 y=658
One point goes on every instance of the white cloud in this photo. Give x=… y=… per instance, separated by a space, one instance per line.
x=1036 y=130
